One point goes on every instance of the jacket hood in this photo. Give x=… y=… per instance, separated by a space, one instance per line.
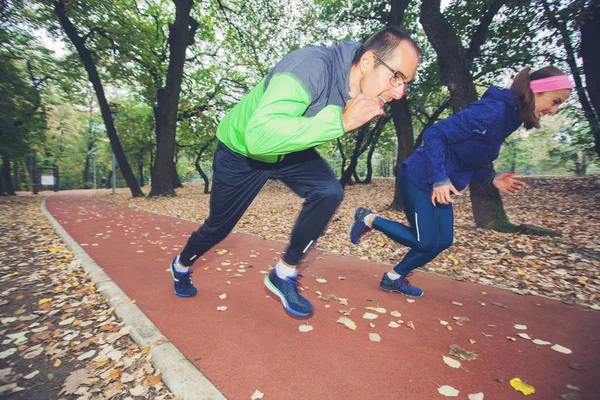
x=344 y=54
x=509 y=98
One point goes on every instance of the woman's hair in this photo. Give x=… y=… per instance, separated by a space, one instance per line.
x=525 y=97
x=384 y=42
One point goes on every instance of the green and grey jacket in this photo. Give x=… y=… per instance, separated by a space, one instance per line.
x=298 y=105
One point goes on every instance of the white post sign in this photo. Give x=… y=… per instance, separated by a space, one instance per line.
x=48 y=180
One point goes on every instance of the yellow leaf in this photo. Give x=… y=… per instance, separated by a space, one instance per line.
x=114 y=373
x=154 y=380
x=521 y=386
x=582 y=281
x=521 y=271
x=46 y=300
x=410 y=324
x=110 y=310
x=53 y=249
x=139 y=251
x=57 y=362
x=448 y=327
x=145 y=349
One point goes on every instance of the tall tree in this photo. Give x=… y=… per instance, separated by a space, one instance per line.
x=181 y=36
x=455 y=64
x=559 y=19
x=86 y=56
x=590 y=32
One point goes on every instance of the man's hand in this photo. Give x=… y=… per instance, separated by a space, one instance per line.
x=360 y=110
x=441 y=194
x=507 y=184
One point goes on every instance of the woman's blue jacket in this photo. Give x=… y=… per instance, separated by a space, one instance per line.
x=458 y=148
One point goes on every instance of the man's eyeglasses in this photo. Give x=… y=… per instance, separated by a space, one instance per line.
x=398 y=79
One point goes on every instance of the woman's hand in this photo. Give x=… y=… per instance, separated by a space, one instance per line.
x=441 y=194
x=507 y=184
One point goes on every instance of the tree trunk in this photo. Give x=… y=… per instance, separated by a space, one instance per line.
x=488 y=210
x=141 y=172
x=7 y=186
x=86 y=57
x=404 y=134
x=199 y=168
x=590 y=32
x=181 y=35
x=342 y=156
x=369 y=177
x=16 y=182
x=588 y=112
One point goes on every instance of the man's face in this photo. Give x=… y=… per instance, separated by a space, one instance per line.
x=375 y=80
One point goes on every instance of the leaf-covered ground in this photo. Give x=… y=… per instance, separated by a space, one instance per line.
x=60 y=339
x=566 y=267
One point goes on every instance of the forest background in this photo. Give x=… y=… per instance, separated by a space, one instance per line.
x=149 y=81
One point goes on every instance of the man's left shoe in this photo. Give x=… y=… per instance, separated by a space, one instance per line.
x=182 y=282
x=359 y=227
x=400 y=285
x=287 y=290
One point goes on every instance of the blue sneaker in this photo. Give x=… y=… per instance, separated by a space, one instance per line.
x=183 y=282
x=400 y=285
x=287 y=290
x=359 y=227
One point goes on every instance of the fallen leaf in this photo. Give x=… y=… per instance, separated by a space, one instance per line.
x=221 y=308
x=393 y=324
x=43 y=301
x=257 y=395
x=31 y=375
x=521 y=327
x=374 y=337
x=524 y=336
x=73 y=381
x=57 y=362
x=456 y=303
x=521 y=386
x=347 y=322
x=139 y=390
x=461 y=353
x=451 y=362
x=127 y=378
x=368 y=315
x=448 y=391
x=305 y=328
x=154 y=379
x=395 y=314
x=541 y=342
x=561 y=349
x=410 y=324
x=476 y=396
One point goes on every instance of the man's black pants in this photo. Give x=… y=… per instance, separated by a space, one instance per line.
x=238 y=179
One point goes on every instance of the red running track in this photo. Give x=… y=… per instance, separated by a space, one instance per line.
x=255 y=345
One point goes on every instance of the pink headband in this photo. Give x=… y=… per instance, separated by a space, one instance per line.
x=551 y=83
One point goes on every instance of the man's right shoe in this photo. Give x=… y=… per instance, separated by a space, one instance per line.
x=400 y=285
x=183 y=282
x=359 y=227
x=287 y=290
